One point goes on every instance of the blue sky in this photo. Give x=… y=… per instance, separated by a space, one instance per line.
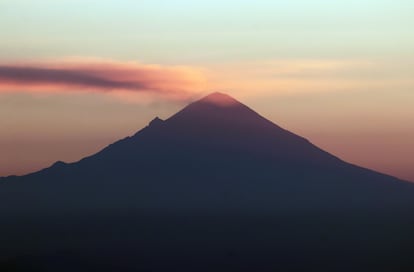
x=205 y=31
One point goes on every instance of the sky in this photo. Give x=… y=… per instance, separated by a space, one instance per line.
x=77 y=75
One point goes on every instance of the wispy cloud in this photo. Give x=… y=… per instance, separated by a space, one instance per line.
x=308 y=76
x=100 y=75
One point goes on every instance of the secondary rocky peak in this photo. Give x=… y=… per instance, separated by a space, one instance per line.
x=156 y=121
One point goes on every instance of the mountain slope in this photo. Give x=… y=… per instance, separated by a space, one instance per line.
x=216 y=187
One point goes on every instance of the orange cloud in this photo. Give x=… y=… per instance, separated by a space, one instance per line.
x=103 y=76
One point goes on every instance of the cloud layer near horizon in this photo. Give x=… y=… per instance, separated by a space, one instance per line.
x=101 y=76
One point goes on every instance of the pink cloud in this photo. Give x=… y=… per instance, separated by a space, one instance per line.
x=101 y=76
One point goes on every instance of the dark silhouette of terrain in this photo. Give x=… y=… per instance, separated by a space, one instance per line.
x=214 y=187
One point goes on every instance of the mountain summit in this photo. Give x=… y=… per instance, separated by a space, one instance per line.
x=218 y=108
x=218 y=98
x=215 y=187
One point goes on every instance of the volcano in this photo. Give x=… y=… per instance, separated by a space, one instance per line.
x=216 y=182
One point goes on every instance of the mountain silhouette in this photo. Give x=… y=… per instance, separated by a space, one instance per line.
x=216 y=158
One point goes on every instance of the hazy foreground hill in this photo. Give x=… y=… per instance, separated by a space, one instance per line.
x=214 y=187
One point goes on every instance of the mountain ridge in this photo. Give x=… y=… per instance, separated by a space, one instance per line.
x=212 y=155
